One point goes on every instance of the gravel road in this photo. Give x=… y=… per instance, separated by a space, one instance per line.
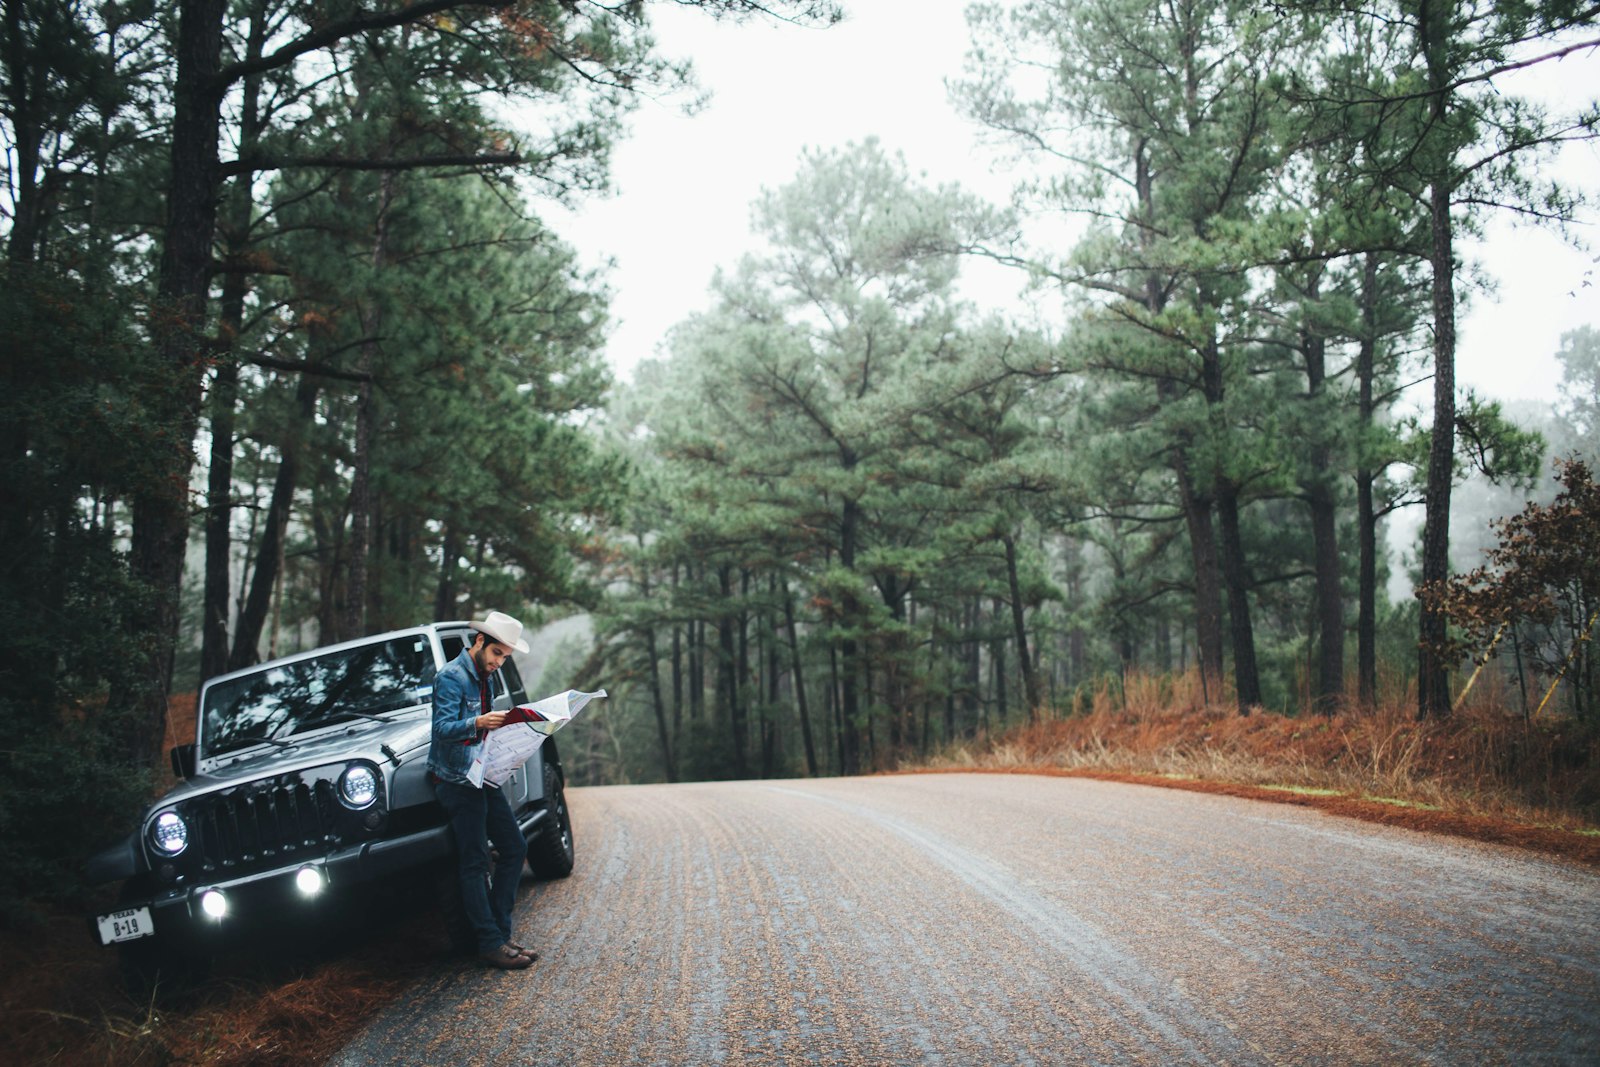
x=986 y=919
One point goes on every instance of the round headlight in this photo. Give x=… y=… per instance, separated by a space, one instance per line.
x=359 y=785
x=169 y=834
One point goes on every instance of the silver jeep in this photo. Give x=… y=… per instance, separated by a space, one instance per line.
x=307 y=778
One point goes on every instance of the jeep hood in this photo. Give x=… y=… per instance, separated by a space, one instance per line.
x=358 y=739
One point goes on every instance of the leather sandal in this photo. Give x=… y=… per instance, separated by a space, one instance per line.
x=506 y=958
x=524 y=950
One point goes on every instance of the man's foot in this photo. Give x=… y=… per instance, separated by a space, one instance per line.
x=524 y=950
x=506 y=958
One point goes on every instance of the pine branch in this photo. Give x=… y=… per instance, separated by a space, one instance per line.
x=334 y=32
x=308 y=367
x=257 y=164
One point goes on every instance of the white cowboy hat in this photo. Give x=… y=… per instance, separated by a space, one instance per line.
x=498 y=626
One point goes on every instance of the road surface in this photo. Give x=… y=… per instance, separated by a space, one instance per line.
x=989 y=919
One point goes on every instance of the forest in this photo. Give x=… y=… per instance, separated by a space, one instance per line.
x=291 y=354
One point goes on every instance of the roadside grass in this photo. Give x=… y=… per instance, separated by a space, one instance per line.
x=1485 y=762
x=67 y=1006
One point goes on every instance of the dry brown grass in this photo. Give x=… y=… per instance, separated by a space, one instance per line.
x=61 y=1001
x=1483 y=762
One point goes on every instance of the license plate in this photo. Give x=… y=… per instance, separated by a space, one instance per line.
x=125 y=925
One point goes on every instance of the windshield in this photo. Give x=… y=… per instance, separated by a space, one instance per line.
x=286 y=699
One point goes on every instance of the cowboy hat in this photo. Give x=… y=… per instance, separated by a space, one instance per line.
x=498 y=626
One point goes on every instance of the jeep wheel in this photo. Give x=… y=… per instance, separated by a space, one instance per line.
x=550 y=849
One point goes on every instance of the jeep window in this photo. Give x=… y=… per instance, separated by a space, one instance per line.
x=509 y=678
x=275 y=703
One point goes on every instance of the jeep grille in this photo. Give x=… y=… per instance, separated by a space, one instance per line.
x=250 y=829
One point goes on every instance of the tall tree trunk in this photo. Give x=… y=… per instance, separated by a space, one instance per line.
x=836 y=706
x=219 y=507
x=247 y=639
x=353 y=622
x=1077 y=642
x=728 y=674
x=1121 y=628
x=741 y=677
x=328 y=532
x=888 y=655
x=1196 y=504
x=677 y=664
x=659 y=704
x=869 y=729
x=1366 y=477
x=974 y=677
x=161 y=505
x=1330 y=597
x=1235 y=576
x=1246 y=677
x=26 y=83
x=355 y=608
x=935 y=649
x=1030 y=680
x=1318 y=487
x=225 y=388
x=799 y=684
x=850 y=666
x=768 y=633
x=1197 y=516
x=444 y=598
x=997 y=668
x=697 y=670
x=251 y=542
x=1433 y=678
x=657 y=698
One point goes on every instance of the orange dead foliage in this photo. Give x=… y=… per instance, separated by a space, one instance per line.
x=1485 y=773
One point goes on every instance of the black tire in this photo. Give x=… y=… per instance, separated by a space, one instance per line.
x=550 y=850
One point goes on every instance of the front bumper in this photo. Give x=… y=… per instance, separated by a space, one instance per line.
x=260 y=899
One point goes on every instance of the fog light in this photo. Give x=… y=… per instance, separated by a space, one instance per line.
x=213 y=903
x=309 y=881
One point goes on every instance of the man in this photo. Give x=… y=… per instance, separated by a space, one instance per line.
x=462 y=717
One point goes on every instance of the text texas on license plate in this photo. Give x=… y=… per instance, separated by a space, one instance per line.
x=125 y=925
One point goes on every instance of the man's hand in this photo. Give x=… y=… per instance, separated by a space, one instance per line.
x=492 y=721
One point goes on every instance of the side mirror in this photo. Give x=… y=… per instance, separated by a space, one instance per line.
x=183 y=761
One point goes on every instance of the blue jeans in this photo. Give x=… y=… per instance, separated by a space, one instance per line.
x=478 y=817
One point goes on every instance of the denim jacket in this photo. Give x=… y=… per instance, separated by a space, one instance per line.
x=456 y=704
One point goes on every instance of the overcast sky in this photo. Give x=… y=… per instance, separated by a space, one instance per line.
x=685 y=185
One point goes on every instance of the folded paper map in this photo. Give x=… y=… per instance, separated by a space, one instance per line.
x=527 y=725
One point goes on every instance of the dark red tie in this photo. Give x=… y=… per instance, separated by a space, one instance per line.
x=483 y=700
